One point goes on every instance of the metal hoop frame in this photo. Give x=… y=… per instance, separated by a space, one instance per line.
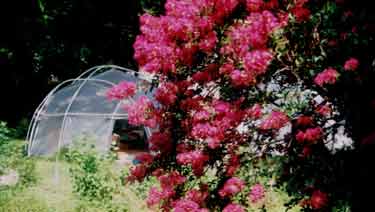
x=33 y=127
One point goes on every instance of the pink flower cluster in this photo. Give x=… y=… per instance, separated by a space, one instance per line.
x=137 y=173
x=324 y=110
x=307 y=133
x=232 y=207
x=257 y=61
x=231 y=187
x=259 y=5
x=300 y=12
x=257 y=192
x=304 y=121
x=197 y=196
x=172 y=179
x=197 y=159
x=233 y=165
x=318 y=200
x=328 y=76
x=167 y=183
x=166 y=94
x=145 y=158
x=142 y=112
x=160 y=142
x=311 y=135
x=275 y=120
x=185 y=205
x=255 y=112
x=251 y=50
x=121 y=91
x=175 y=37
x=257 y=26
x=212 y=123
x=351 y=64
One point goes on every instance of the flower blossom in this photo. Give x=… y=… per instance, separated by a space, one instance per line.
x=318 y=199
x=185 y=29
x=121 y=91
x=301 y=13
x=275 y=120
x=257 y=61
x=184 y=205
x=254 y=5
x=254 y=112
x=155 y=196
x=167 y=184
x=137 y=173
x=231 y=187
x=197 y=196
x=233 y=165
x=166 y=94
x=311 y=135
x=205 y=130
x=351 y=64
x=144 y=158
x=324 y=110
x=258 y=26
x=201 y=116
x=232 y=207
x=171 y=179
x=304 y=121
x=142 y=112
x=196 y=158
x=256 y=193
x=160 y=142
x=328 y=76
x=242 y=78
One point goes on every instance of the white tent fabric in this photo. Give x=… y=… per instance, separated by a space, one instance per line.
x=79 y=107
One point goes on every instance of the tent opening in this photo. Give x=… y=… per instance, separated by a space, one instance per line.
x=129 y=141
x=128 y=137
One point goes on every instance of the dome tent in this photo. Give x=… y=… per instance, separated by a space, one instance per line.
x=79 y=107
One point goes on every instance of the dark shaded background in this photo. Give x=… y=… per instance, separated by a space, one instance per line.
x=45 y=42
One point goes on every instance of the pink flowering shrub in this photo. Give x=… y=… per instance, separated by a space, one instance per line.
x=256 y=193
x=239 y=81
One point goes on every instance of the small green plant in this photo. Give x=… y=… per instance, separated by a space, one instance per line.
x=5 y=132
x=92 y=178
x=13 y=157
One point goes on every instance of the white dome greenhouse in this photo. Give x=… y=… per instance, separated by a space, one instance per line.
x=78 y=107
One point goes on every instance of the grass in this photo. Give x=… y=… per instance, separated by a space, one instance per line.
x=53 y=192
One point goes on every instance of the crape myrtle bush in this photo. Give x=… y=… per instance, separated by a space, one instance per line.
x=239 y=80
